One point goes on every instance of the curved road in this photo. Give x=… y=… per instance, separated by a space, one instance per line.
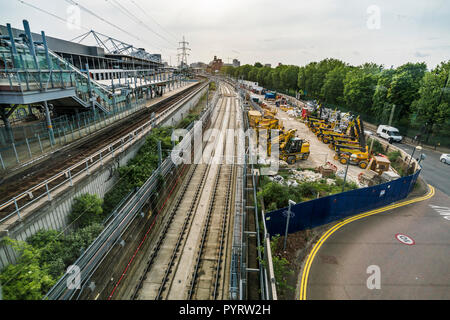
x=337 y=267
x=434 y=172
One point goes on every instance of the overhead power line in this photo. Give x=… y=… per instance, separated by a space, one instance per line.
x=104 y=20
x=156 y=22
x=134 y=18
x=49 y=13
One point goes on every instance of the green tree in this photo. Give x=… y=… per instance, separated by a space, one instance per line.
x=381 y=106
x=404 y=89
x=359 y=87
x=289 y=77
x=86 y=210
x=333 y=87
x=433 y=104
x=28 y=279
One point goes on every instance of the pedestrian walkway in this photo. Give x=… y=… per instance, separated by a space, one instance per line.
x=20 y=154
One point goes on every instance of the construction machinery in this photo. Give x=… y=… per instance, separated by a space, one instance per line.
x=353 y=156
x=254 y=117
x=268 y=124
x=377 y=172
x=345 y=150
x=291 y=148
x=286 y=108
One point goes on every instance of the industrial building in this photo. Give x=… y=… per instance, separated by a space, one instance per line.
x=55 y=78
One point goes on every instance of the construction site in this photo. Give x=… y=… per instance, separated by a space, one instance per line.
x=327 y=141
x=126 y=177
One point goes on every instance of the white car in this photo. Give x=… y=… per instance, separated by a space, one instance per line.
x=445 y=158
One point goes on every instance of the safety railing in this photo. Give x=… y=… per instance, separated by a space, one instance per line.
x=91 y=258
x=85 y=166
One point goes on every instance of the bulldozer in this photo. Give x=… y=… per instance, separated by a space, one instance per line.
x=291 y=147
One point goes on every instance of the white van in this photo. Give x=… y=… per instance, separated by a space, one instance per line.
x=389 y=133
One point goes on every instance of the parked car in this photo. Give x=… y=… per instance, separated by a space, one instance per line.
x=445 y=158
x=389 y=133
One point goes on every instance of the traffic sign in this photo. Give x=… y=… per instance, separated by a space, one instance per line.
x=403 y=238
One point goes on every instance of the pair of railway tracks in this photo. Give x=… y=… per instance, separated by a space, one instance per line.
x=36 y=181
x=208 y=265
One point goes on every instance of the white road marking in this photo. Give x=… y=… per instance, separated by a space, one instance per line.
x=443 y=211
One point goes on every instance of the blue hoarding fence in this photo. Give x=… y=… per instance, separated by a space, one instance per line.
x=314 y=213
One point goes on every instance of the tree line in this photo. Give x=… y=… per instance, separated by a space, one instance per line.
x=419 y=98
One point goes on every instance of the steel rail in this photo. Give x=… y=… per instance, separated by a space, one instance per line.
x=128 y=138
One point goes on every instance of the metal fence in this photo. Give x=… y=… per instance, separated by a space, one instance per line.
x=314 y=213
x=42 y=190
x=91 y=258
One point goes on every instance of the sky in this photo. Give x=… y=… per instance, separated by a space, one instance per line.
x=283 y=31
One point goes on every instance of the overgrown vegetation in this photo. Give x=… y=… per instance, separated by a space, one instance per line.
x=276 y=195
x=45 y=256
x=140 y=168
x=281 y=267
x=377 y=147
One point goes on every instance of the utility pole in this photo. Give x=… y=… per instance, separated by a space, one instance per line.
x=392 y=114
x=183 y=54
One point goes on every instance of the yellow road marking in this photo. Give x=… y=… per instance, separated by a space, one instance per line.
x=309 y=261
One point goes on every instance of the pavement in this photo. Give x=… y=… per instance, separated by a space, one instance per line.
x=401 y=253
x=433 y=172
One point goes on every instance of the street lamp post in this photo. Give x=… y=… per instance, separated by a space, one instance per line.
x=287 y=223
x=412 y=155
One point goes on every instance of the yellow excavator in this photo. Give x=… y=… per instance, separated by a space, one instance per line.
x=291 y=148
x=354 y=154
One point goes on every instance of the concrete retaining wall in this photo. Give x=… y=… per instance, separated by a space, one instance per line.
x=54 y=214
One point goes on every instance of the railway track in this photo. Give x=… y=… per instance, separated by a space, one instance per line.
x=205 y=283
x=192 y=244
x=35 y=181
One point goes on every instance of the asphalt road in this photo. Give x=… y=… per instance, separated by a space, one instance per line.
x=418 y=271
x=434 y=172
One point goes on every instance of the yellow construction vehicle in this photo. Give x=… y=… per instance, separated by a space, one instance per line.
x=291 y=148
x=375 y=172
x=254 y=117
x=357 y=154
x=286 y=108
x=268 y=124
x=353 y=156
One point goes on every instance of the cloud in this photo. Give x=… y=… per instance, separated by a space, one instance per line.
x=421 y=55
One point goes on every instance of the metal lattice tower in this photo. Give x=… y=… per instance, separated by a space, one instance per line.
x=184 y=53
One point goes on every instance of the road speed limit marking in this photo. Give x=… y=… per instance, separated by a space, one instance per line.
x=403 y=238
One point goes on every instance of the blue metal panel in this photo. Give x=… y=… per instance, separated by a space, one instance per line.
x=314 y=213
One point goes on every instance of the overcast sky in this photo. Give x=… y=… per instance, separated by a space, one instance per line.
x=268 y=31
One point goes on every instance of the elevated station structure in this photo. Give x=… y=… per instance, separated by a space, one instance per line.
x=60 y=78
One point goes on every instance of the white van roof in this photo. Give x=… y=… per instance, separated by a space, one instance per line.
x=388 y=127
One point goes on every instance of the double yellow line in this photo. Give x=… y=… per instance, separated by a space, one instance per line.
x=309 y=261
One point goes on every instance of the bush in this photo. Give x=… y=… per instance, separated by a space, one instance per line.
x=377 y=146
x=28 y=279
x=86 y=210
x=276 y=195
x=394 y=155
x=42 y=260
